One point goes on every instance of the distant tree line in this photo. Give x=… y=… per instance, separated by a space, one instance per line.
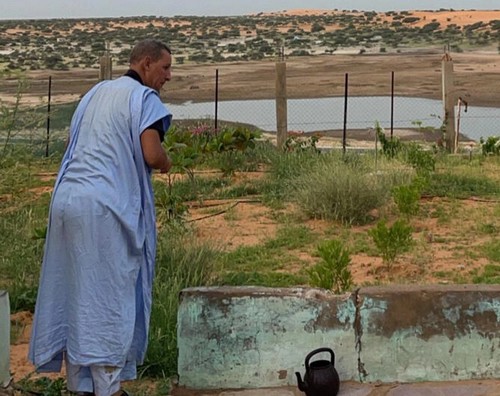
x=61 y=44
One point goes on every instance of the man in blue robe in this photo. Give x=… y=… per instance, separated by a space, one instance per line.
x=94 y=299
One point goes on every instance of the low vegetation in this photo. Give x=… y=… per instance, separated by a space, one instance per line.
x=370 y=207
x=374 y=210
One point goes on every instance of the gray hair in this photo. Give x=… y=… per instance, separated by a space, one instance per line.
x=149 y=47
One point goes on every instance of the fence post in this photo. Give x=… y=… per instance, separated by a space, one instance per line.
x=392 y=104
x=281 y=109
x=449 y=103
x=346 y=99
x=105 y=70
x=216 y=121
x=48 y=118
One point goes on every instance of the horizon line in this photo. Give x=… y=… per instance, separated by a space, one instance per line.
x=322 y=10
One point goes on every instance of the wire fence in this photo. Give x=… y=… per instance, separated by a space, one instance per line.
x=391 y=109
x=347 y=110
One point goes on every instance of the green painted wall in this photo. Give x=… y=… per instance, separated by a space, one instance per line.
x=252 y=337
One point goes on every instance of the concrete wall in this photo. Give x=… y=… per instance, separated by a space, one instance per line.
x=4 y=338
x=248 y=337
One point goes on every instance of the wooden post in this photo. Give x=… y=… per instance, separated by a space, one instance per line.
x=281 y=108
x=449 y=103
x=105 y=70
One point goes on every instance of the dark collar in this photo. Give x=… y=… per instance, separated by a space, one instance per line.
x=133 y=74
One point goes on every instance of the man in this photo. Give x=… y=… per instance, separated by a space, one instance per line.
x=94 y=299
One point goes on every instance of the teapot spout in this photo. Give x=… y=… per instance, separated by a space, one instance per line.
x=301 y=384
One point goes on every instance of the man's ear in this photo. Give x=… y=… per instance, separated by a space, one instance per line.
x=147 y=62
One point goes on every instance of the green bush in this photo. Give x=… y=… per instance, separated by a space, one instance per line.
x=301 y=142
x=490 y=146
x=180 y=264
x=346 y=190
x=332 y=272
x=192 y=145
x=390 y=147
x=393 y=240
x=407 y=199
x=284 y=169
x=421 y=160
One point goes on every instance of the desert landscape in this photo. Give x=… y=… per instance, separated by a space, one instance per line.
x=368 y=46
x=448 y=245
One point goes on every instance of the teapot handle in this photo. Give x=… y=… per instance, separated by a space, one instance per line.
x=319 y=350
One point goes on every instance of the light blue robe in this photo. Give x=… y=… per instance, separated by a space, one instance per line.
x=94 y=300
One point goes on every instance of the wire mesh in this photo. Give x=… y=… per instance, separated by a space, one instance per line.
x=359 y=112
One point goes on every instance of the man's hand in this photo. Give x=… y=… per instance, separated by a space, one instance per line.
x=167 y=166
x=153 y=152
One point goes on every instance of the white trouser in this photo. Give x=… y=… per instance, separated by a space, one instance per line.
x=101 y=380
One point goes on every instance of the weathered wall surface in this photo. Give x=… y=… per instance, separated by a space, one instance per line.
x=258 y=337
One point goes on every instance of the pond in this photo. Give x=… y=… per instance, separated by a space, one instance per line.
x=320 y=114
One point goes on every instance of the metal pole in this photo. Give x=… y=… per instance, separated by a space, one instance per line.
x=344 y=133
x=216 y=97
x=448 y=102
x=48 y=118
x=392 y=104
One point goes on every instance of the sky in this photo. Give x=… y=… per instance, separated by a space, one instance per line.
x=44 y=9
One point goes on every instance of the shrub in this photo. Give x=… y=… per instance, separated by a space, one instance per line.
x=347 y=191
x=284 y=169
x=421 y=160
x=407 y=199
x=301 y=143
x=180 y=264
x=392 y=240
x=490 y=146
x=332 y=272
x=190 y=147
x=390 y=147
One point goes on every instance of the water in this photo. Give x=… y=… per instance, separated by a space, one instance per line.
x=319 y=114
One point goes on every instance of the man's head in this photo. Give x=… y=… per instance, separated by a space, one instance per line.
x=152 y=60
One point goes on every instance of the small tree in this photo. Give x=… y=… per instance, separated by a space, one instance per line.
x=392 y=241
x=332 y=272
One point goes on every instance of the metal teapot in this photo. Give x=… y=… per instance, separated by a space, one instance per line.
x=321 y=377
